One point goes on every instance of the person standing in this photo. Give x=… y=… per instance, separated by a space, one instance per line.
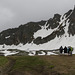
x=61 y=49
x=70 y=50
x=65 y=49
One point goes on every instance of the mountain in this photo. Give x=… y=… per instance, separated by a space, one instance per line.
x=49 y=34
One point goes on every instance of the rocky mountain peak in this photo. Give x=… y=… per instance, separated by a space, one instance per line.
x=42 y=31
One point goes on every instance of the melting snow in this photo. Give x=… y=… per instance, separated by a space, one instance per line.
x=6 y=53
x=42 y=53
x=31 y=53
x=51 y=53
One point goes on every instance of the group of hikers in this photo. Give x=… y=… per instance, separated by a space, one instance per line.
x=66 y=50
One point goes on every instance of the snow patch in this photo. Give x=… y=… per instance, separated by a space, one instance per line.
x=31 y=53
x=44 y=32
x=42 y=53
x=7 y=37
x=51 y=53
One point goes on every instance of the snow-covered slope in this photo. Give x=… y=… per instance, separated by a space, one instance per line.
x=48 y=35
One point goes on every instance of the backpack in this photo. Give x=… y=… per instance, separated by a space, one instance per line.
x=67 y=49
x=71 y=49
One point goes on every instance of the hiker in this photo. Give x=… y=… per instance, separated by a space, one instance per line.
x=65 y=49
x=61 y=49
x=70 y=50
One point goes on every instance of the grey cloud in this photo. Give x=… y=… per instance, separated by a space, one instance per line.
x=22 y=11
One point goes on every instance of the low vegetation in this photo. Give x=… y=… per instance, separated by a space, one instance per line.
x=40 y=65
x=3 y=61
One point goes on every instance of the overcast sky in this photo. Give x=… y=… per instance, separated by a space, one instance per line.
x=16 y=12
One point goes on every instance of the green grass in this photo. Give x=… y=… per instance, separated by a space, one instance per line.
x=41 y=65
x=28 y=62
x=3 y=61
x=64 y=65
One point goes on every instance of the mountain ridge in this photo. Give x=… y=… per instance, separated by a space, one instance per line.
x=41 y=32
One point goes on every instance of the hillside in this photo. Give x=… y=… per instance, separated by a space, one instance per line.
x=38 y=65
x=43 y=35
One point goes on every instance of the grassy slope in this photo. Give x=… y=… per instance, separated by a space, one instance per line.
x=3 y=61
x=42 y=65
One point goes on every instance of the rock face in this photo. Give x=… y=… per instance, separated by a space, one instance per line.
x=25 y=33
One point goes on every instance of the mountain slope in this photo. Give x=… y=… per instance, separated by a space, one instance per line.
x=50 y=34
